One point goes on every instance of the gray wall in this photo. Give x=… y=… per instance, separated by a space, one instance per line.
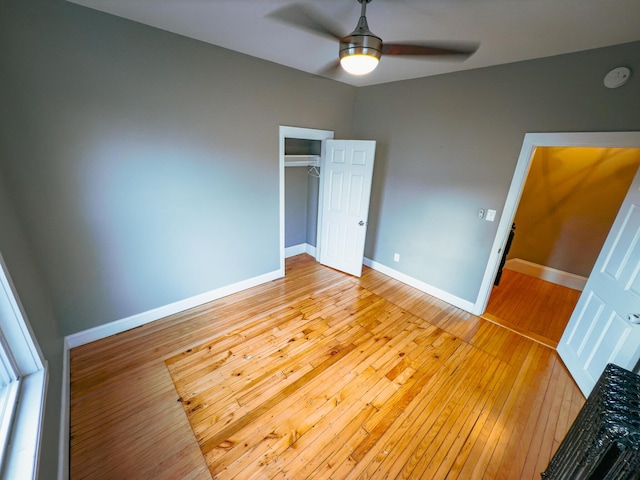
x=448 y=146
x=301 y=206
x=313 y=197
x=144 y=165
x=295 y=206
x=35 y=300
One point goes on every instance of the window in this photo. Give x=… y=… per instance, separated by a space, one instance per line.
x=23 y=381
x=9 y=385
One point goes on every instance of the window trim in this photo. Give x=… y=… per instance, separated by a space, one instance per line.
x=9 y=395
x=21 y=459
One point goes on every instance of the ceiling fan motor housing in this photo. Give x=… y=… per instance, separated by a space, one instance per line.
x=361 y=41
x=357 y=44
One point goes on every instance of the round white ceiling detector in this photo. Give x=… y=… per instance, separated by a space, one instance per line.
x=617 y=77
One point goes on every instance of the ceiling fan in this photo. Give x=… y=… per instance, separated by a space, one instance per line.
x=361 y=50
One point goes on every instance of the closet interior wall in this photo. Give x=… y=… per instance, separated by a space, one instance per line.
x=302 y=186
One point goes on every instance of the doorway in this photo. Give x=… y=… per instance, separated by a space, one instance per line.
x=530 y=144
x=570 y=200
x=297 y=133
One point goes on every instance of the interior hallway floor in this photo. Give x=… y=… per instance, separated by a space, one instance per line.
x=535 y=308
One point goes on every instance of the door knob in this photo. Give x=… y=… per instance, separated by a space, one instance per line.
x=634 y=318
x=361 y=223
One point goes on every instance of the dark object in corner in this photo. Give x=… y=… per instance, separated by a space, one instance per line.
x=503 y=260
x=604 y=441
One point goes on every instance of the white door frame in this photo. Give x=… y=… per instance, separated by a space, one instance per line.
x=531 y=141
x=305 y=134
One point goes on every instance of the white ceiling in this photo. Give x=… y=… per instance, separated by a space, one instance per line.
x=507 y=30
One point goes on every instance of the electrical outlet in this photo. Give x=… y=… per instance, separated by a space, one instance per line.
x=481 y=213
x=396 y=257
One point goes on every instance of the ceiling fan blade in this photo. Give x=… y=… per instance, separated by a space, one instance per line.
x=330 y=70
x=303 y=16
x=432 y=50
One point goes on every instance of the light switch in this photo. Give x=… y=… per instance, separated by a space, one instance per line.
x=491 y=215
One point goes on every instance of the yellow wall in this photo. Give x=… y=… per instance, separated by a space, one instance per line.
x=569 y=202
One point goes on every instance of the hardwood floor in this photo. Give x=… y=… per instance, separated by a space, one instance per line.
x=532 y=307
x=319 y=375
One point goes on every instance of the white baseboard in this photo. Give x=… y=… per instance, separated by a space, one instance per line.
x=63 y=446
x=299 y=249
x=294 y=250
x=548 y=274
x=122 y=325
x=420 y=285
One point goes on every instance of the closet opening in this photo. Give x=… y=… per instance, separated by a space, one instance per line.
x=301 y=153
x=302 y=188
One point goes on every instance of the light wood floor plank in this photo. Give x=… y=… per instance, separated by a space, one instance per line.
x=314 y=376
x=532 y=307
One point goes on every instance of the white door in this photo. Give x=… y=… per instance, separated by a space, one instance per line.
x=346 y=176
x=604 y=327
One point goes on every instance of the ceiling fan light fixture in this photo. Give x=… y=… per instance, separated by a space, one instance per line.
x=360 y=52
x=359 y=64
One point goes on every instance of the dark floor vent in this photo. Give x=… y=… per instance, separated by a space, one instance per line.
x=604 y=441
